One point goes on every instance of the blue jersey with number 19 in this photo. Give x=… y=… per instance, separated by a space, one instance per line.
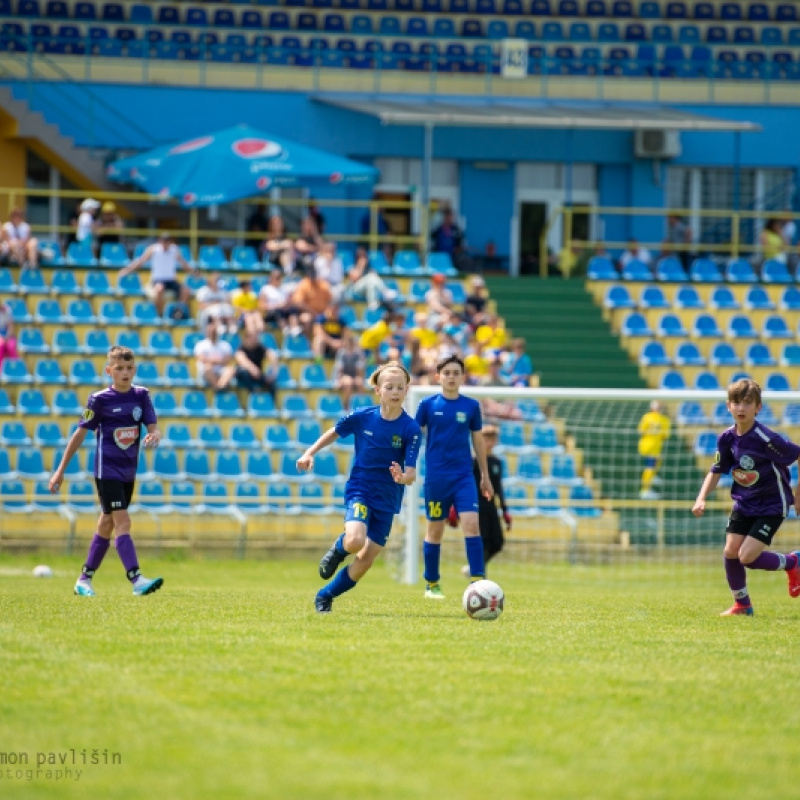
x=378 y=443
x=449 y=426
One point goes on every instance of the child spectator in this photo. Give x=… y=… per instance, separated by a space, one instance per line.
x=245 y=307
x=518 y=369
x=349 y=368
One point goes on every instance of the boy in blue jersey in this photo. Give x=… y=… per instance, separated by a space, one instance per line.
x=387 y=444
x=758 y=460
x=451 y=421
x=115 y=415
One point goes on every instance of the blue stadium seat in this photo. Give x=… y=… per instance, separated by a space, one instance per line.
x=14 y=372
x=731 y=11
x=31 y=340
x=13 y=434
x=294 y=406
x=670 y=269
x=165 y=465
x=618 y=297
x=48 y=312
x=31 y=401
x=296 y=347
x=579 y=497
x=741 y=327
x=596 y=8
x=653 y=297
x=671 y=380
x=325 y=468
x=773 y=271
x=226 y=404
x=529 y=469
x=671 y=325
x=757 y=298
x=704 y=270
x=6 y=406
x=308 y=431
x=96 y=343
x=653 y=354
x=31 y=281
x=80 y=254
x=706 y=382
x=177 y=435
x=197 y=466
x=165 y=404
x=722 y=298
x=790 y=355
x=787 y=12
x=635 y=324
x=705 y=444
x=144 y=313
x=600 y=268
x=329 y=406
x=705 y=325
x=777 y=382
x=547 y=501
x=662 y=34
x=79 y=312
x=313 y=377
x=48 y=372
x=691 y=413
x=636 y=271
x=259 y=467
x=276 y=437
x=688 y=354
x=113 y=255
x=66 y=403
x=676 y=11
x=261 y=406
x=687 y=298
x=177 y=374
x=790 y=299
x=740 y=271
x=775 y=327
x=723 y=355
x=129 y=286
x=544 y=439
x=759 y=355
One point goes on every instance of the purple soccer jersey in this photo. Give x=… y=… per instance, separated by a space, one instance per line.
x=117 y=419
x=759 y=463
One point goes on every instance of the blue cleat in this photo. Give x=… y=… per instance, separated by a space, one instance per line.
x=324 y=605
x=144 y=586
x=83 y=588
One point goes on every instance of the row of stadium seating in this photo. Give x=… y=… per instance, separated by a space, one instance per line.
x=702 y=270
x=181 y=13
x=756 y=297
x=242 y=258
x=251 y=498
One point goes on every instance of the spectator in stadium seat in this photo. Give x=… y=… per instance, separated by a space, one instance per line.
x=108 y=225
x=8 y=341
x=273 y=299
x=439 y=300
x=678 y=233
x=245 y=307
x=328 y=266
x=476 y=302
x=329 y=330
x=448 y=237
x=257 y=222
x=279 y=248
x=773 y=244
x=84 y=232
x=248 y=366
x=492 y=334
x=308 y=243
x=635 y=252
x=349 y=368
x=517 y=367
x=214 y=358
x=363 y=281
x=214 y=302
x=165 y=258
x=317 y=216
x=22 y=248
x=311 y=297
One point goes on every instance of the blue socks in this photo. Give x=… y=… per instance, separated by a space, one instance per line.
x=339 y=545
x=474 y=547
x=432 y=554
x=339 y=585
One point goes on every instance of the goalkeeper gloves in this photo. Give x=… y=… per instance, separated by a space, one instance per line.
x=507 y=518
x=452 y=517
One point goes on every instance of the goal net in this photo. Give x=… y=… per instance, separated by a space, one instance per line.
x=573 y=478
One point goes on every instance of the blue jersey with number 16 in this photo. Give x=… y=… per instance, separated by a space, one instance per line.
x=378 y=443
x=449 y=424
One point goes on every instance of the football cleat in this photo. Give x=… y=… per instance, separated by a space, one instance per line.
x=465 y=571
x=793 y=576
x=737 y=610
x=83 y=588
x=330 y=563
x=324 y=605
x=434 y=592
x=145 y=586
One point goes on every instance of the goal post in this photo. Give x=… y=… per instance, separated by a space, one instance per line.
x=574 y=477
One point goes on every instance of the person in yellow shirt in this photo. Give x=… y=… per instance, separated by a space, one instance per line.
x=654 y=429
x=245 y=305
x=492 y=334
x=477 y=368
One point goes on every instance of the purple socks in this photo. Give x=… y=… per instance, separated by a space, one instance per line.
x=737 y=580
x=772 y=562
x=127 y=554
x=97 y=551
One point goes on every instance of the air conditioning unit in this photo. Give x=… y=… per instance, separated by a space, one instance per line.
x=657 y=144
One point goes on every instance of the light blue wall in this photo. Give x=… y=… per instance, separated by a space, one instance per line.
x=171 y=113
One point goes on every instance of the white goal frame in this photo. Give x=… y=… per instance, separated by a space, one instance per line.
x=410 y=558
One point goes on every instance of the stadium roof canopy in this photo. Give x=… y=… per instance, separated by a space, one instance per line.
x=527 y=113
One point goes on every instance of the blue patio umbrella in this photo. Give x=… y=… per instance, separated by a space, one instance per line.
x=232 y=164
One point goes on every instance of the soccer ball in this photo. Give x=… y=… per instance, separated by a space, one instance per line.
x=42 y=571
x=483 y=600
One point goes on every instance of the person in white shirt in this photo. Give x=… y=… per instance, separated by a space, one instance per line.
x=20 y=245
x=85 y=229
x=329 y=267
x=215 y=363
x=165 y=258
x=214 y=302
x=635 y=252
x=273 y=299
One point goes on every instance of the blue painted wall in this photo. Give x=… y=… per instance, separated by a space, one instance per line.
x=140 y=116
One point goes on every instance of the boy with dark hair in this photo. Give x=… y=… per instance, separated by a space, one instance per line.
x=115 y=415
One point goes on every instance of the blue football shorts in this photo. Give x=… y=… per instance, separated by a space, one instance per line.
x=460 y=492
x=378 y=522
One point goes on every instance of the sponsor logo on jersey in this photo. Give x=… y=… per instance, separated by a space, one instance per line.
x=125 y=437
x=137 y=414
x=368 y=433
x=745 y=462
x=397 y=441
x=716 y=457
x=87 y=415
x=745 y=477
x=115 y=410
x=461 y=416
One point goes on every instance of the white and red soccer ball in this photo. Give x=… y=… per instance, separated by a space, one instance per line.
x=483 y=600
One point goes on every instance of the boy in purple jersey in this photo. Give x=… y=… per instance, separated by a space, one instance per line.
x=386 y=446
x=115 y=415
x=759 y=459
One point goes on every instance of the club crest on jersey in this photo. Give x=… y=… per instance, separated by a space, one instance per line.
x=461 y=416
x=745 y=462
x=397 y=441
x=125 y=437
x=745 y=477
x=137 y=414
x=87 y=415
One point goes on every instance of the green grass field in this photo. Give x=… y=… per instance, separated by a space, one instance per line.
x=226 y=684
